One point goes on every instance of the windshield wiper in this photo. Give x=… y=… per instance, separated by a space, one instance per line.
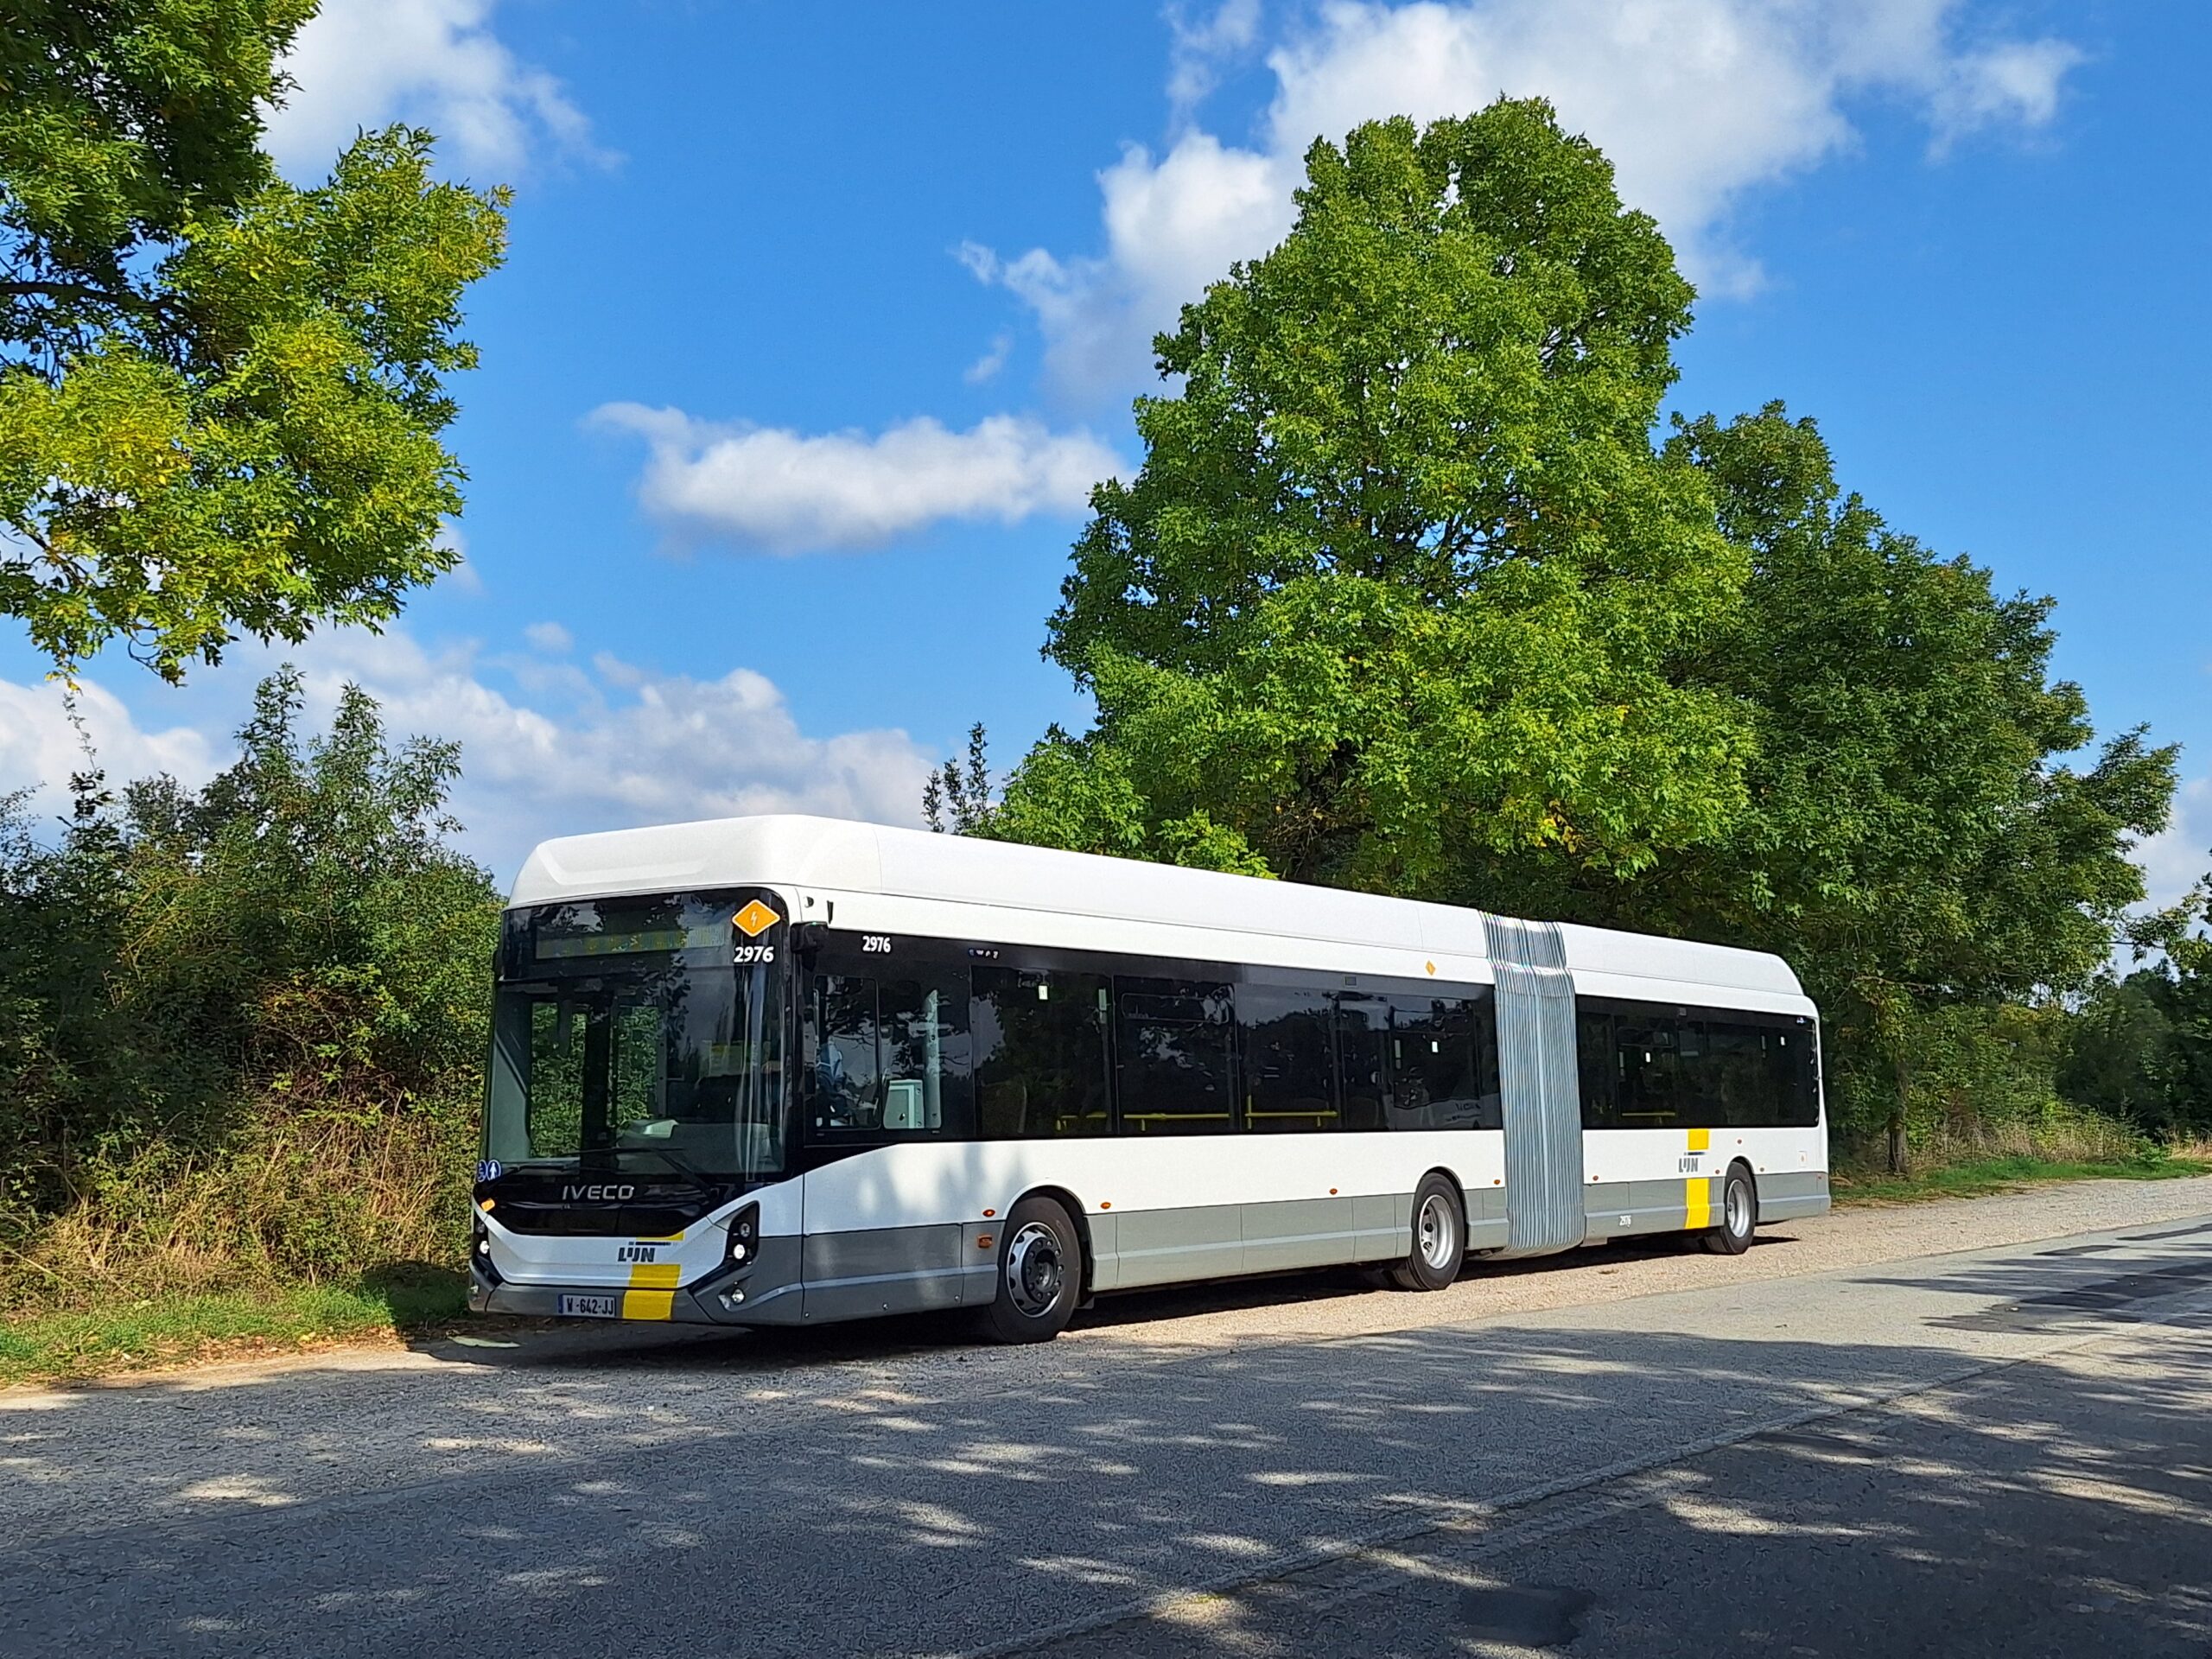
x=706 y=1183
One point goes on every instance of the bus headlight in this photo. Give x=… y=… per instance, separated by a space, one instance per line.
x=480 y=1251
x=744 y=1237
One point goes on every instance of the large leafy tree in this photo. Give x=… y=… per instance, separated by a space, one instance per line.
x=220 y=395
x=1911 y=838
x=1404 y=580
x=2142 y=1047
x=1405 y=597
x=301 y=930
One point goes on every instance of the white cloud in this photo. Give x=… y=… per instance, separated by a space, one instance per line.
x=2180 y=855
x=464 y=577
x=1697 y=102
x=2018 y=82
x=786 y=491
x=567 y=751
x=987 y=367
x=1202 y=43
x=363 y=63
x=549 y=637
x=40 y=746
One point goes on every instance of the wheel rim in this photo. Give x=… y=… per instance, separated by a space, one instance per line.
x=1035 y=1269
x=1436 y=1229
x=1739 y=1209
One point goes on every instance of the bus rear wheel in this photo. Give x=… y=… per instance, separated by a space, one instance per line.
x=1439 y=1238
x=1739 y=1214
x=1040 y=1277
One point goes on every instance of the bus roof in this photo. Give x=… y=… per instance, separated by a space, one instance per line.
x=837 y=856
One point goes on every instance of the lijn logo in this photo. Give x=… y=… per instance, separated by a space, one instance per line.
x=755 y=919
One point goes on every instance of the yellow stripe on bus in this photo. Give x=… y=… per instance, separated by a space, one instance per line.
x=656 y=1275
x=647 y=1304
x=1700 y=1140
x=1697 y=1197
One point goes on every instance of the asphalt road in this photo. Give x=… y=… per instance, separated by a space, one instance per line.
x=1999 y=1451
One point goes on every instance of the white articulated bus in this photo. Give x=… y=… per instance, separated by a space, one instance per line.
x=789 y=1070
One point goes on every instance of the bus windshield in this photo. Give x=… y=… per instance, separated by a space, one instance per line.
x=641 y=1036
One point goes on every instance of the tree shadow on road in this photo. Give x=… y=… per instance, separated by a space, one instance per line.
x=1274 y=1499
x=531 y=1343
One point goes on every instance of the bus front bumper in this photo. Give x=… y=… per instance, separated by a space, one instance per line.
x=765 y=1291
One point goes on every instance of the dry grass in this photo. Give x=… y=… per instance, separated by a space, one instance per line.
x=2060 y=1145
x=2059 y=1137
x=316 y=1199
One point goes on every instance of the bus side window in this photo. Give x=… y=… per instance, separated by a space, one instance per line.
x=1796 y=1060
x=1740 y=1083
x=1444 y=1064
x=1040 y=1053
x=1287 y=1068
x=1600 y=1063
x=1363 y=1033
x=1174 y=1042
x=1648 y=1073
x=888 y=1056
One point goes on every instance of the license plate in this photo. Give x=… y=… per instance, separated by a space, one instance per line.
x=591 y=1307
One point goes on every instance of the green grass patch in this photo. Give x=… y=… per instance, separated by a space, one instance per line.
x=1975 y=1178
x=176 y=1329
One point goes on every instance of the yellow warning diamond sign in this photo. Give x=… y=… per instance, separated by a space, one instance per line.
x=755 y=919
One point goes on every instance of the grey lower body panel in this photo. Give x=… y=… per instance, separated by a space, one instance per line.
x=828 y=1277
x=1169 y=1247
x=1489 y=1226
x=1623 y=1209
x=1159 y=1247
x=1792 y=1195
x=856 y=1275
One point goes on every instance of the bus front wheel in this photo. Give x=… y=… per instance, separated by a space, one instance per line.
x=1439 y=1238
x=1040 y=1274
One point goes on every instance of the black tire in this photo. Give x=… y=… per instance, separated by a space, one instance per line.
x=1040 y=1274
x=1739 y=1214
x=1440 y=1237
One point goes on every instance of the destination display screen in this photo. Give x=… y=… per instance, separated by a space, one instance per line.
x=633 y=927
x=556 y=944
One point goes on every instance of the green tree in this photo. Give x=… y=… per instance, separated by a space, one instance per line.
x=2140 y=1048
x=1910 y=839
x=1403 y=582
x=303 y=915
x=2189 y=1010
x=960 y=800
x=297 y=938
x=220 y=395
x=2120 y=1057
x=1405 y=598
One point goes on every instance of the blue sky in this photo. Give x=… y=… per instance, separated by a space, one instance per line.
x=819 y=320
